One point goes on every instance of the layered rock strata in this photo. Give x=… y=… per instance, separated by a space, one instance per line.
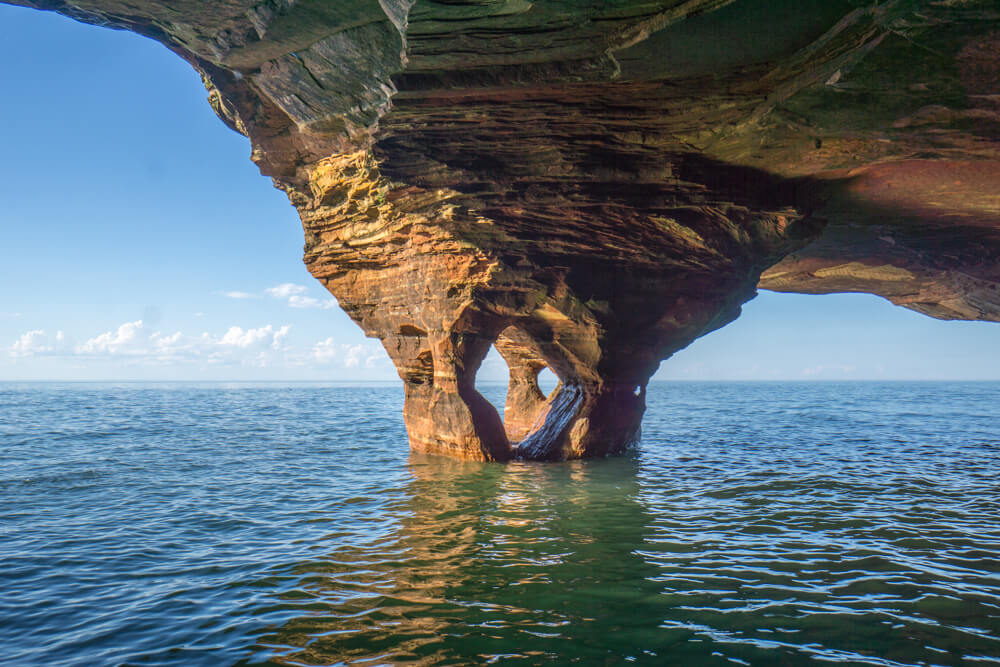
x=592 y=185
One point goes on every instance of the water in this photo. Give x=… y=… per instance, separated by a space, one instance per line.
x=762 y=524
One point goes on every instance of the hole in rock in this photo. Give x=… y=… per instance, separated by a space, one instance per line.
x=547 y=381
x=520 y=403
x=491 y=379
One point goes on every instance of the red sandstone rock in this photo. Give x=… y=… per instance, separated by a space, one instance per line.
x=593 y=185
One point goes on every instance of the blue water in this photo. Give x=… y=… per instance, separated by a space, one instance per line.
x=761 y=524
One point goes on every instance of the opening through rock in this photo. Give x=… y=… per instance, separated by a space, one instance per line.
x=518 y=383
x=547 y=381
x=491 y=379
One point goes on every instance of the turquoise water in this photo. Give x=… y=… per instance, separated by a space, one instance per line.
x=761 y=524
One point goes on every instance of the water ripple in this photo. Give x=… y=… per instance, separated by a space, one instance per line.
x=771 y=524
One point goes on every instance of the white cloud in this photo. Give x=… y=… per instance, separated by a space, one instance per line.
x=369 y=355
x=296 y=301
x=262 y=346
x=135 y=340
x=129 y=337
x=353 y=357
x=167 y=342
x=137 y=344
x=294 y=294
x=378 y=359
x=325 y=351
x=255 y=338
x=285 y=290
x=37 y=343
x=239 y=295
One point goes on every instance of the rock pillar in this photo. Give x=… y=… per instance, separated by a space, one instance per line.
x=439 y=283
x=526 y=406
x=443 y=411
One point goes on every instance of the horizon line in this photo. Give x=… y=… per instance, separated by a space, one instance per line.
x=484 y=382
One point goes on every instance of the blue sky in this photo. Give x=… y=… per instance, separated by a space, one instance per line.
x=141 y=243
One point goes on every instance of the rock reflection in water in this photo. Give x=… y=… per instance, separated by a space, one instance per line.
x=489 y=562
x=764 y=524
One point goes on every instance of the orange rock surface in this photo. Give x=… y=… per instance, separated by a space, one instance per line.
x=592 y=185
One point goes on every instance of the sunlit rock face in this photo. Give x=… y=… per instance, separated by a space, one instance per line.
x=593 y=184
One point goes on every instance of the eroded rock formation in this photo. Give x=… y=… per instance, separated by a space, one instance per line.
x=592 y=185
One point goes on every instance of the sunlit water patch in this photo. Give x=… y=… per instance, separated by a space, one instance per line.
x=761 y=524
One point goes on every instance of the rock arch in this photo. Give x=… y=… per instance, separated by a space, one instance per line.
x=606 y=179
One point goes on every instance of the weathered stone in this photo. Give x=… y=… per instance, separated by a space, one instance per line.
x=526 y=406
x=592 y=185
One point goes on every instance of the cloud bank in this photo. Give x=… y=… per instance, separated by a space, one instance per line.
x=137 y=343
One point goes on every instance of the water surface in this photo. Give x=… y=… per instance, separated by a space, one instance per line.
x=762 y=524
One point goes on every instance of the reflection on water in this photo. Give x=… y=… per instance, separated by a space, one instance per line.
x=771 y=524
x=520 y=562
x=788 y=541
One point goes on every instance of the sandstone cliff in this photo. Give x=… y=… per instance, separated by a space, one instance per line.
x=592 y=185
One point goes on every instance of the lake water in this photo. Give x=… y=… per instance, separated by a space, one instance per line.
x=761 y=524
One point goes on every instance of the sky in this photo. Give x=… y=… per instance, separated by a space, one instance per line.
x=139 y=242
